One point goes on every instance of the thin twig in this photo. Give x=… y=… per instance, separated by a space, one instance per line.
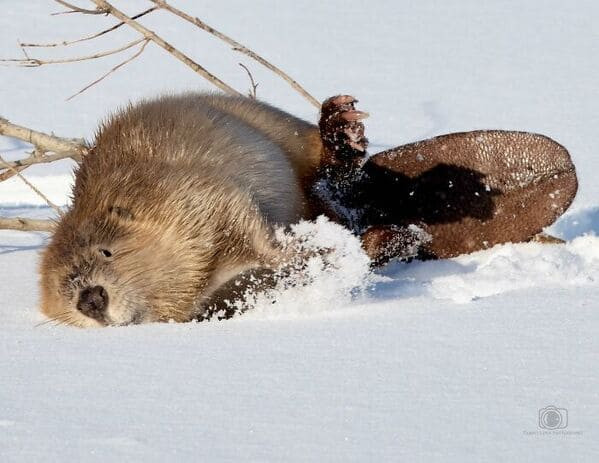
x=35 y=62
x=128 y=60
x=61 y=147
x=237 y=47
x=10 y=173
x=148 y=34
x=22 y=224
x=21 y=164
x=76 y=9
x=252 y=92
x=23 y=50
x=89 y=37
x=32 y=186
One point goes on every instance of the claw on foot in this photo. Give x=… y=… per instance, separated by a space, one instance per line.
x=341 y=99
x=354 y=115
x=342 y=131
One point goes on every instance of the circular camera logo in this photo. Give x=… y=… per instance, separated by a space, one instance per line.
x=552 y=417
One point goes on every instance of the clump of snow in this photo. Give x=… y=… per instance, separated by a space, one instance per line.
x=335 y=272
x=418 y=238
x=513 y=267
x=503 y=269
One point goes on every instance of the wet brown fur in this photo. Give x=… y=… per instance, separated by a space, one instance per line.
x=183 y=192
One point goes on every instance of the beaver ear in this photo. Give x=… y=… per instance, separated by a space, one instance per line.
x=121 y=212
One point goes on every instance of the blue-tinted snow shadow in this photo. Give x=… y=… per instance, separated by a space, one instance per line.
x=9 y=249
x=582 y=222
x=42 y=240
x=37 y=212
x=9 y=209
x=412 y=279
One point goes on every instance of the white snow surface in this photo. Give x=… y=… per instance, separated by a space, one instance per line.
x=426 y=361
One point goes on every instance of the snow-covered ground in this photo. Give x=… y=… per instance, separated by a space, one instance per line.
x=434 y=361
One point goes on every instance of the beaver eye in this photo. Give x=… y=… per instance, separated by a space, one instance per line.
x=106 y=253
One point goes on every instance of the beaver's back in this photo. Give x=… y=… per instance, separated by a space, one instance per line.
x=234 y=140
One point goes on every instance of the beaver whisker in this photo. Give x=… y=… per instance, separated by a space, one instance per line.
x=52 y=319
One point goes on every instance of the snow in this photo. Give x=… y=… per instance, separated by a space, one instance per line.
x=426 y=361
x=15 y=193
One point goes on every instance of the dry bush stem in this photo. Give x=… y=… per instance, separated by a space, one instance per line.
x=22 y=224
x=237 y=47
x=121 y=64
x=76 y=9
x=252 y=92
x=21 y=164
x=61 y=147
x=69 y=148
x=10 y=173
x=35 y=62
x=89 y=37
x=150 y=35
x=33 y=187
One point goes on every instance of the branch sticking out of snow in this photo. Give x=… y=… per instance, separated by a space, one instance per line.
x=21 y=224
x=60 y=148
x=30 y=185
x=43 y=143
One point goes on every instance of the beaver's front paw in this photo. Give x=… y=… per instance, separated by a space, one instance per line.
x=342 y=131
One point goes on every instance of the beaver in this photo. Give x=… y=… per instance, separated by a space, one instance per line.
x=178 y=197
x=175 y=207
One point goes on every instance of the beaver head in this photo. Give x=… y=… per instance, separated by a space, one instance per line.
x=113 y=268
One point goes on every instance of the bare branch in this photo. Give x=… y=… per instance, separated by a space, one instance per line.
x=32 y=186
x=237 y=47
x=148 y=34
x=83 y=39
x=61 y=147
x=252 y=92
x=128 y=60
x=10 y=173
x=23 y=50
x=104 y=7
x=34 y=62
x=21 y=224
x=76 y=9
x=22 y=164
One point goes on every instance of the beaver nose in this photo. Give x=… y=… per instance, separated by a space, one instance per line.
x=93 y=302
